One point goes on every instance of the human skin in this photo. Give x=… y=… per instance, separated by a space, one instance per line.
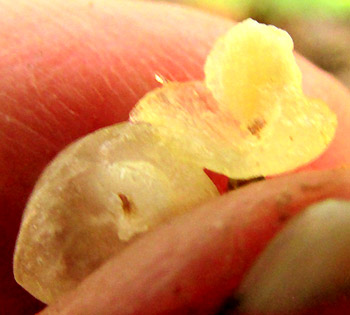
x=68 y=68
x=214 y=246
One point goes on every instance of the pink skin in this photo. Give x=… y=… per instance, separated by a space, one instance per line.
x=68 y=68
x=215 y=245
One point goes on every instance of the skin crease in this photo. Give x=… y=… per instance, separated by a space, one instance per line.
x=69 y=68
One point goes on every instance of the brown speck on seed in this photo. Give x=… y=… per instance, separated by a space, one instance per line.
x=125 y=203
x=256 y=126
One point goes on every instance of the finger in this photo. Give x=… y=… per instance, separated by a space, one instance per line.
x=305 y=265
x=200 y=258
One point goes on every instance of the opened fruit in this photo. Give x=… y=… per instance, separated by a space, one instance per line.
x=250 y=118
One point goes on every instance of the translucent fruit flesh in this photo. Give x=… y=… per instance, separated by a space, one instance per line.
x=94 y=198
x=250 y=117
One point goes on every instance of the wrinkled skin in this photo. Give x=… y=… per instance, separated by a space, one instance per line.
x=68 y=68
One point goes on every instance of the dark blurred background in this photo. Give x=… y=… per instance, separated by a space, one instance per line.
x=320 y=28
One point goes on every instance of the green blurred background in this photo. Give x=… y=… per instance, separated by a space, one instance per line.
x=320 y=28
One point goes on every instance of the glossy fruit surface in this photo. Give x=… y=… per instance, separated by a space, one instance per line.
x=250 y=117
x=94 y=198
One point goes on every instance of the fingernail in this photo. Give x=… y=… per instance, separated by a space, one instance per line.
x=307 y=262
